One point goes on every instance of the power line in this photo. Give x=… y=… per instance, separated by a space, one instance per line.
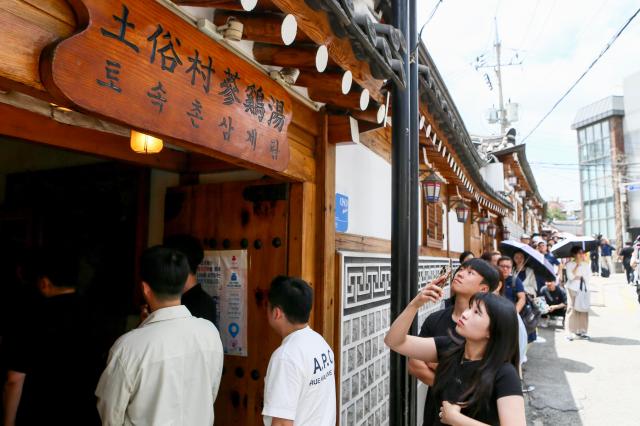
x=543 y=27
x=433 y=12
x=615 y=37
x=526 y=33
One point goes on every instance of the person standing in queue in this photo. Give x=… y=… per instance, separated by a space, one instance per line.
x=576 y=322
x=625 y=255
x=197 y=301
x=473 y=276
x=51 y=365
x=300 y=386
x=168 y=370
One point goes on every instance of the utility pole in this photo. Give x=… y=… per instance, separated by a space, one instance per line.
x=503 y=114
x=497 y=68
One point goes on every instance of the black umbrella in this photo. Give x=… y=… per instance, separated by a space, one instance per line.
x=534 y=259
x=564 y=247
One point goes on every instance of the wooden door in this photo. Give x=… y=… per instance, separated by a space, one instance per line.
x=221 y=217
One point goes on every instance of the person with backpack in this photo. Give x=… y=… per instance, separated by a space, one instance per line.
x=606 y=252
x=513 y=290
x=528 y=277
x=513 y=287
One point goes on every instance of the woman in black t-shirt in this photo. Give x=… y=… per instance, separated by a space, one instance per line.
x=477 y=378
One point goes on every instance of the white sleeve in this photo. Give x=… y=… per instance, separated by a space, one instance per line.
x=570 y=267
x=282 y=389
x=113 y=393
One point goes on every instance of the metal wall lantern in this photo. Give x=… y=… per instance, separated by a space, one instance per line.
x=462 y=211
x=491 y=230
x=483 y=223
x=506 y=234
x=522 y=193
x=512 y=180
x=431 y=186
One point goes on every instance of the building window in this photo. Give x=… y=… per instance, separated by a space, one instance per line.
x=433 y=226
x=596 y=179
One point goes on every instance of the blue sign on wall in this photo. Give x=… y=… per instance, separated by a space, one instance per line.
x=342 y=213
x=633 y=188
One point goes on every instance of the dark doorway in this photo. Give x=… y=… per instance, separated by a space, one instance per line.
x=97 y=211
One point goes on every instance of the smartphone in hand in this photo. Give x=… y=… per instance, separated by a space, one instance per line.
x=442 y=279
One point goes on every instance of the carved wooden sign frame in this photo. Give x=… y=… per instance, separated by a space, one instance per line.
x=135 y=62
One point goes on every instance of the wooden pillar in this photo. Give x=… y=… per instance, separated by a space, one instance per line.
x=327 y=304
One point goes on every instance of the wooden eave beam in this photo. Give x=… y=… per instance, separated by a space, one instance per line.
x=262 y=5
x=352 y=100
x=342 y=129
x=315 y=24
x=259 y=26
x=27 y=125
x=302 y=56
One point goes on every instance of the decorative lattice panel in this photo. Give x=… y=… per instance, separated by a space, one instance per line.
x=364 y=375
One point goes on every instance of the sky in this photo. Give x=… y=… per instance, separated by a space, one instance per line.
x=555 y=40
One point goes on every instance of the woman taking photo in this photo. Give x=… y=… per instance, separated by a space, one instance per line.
x=578 y=273
x=476 y=381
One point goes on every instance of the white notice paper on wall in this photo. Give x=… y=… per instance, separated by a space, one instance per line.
x=223 y=275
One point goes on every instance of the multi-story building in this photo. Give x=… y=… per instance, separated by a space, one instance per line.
x=631 y=159
x=601 y=157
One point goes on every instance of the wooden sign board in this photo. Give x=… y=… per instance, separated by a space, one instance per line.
x=137 y=63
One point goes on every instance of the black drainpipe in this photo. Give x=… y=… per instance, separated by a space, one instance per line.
x=414 y=192
x=400 y=218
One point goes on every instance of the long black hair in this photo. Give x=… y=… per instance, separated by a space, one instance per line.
x=502 y=348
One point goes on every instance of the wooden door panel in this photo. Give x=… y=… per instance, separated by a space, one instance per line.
x=219 y=212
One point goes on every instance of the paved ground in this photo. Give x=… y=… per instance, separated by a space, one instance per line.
x=593 y=382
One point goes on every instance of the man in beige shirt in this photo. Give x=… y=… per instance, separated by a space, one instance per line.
x=167 y=371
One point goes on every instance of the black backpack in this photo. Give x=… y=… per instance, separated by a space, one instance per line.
x=530 y=315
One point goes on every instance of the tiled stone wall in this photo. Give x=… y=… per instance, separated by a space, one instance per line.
x=364 y=375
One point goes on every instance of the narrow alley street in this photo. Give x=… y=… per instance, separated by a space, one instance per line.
x=592 y=382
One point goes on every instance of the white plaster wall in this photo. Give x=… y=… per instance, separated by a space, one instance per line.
x=366 y=179
x=456 y=233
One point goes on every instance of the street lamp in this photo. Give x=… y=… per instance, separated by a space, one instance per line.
x=483 y=223
x=462 y=211
x=506 y=233
x=491 y=230
x=431 y=187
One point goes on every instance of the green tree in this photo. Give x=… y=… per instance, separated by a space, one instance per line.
x=555 y=213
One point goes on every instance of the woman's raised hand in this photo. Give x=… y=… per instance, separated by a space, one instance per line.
x=432 y=292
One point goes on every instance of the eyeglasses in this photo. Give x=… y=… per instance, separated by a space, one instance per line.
x=505 y=266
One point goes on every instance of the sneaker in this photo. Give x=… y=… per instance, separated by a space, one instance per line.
x=584 y=336
x=527 y=389
x=571 y=337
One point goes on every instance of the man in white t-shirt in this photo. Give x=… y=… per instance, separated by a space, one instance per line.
x=300 y=386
